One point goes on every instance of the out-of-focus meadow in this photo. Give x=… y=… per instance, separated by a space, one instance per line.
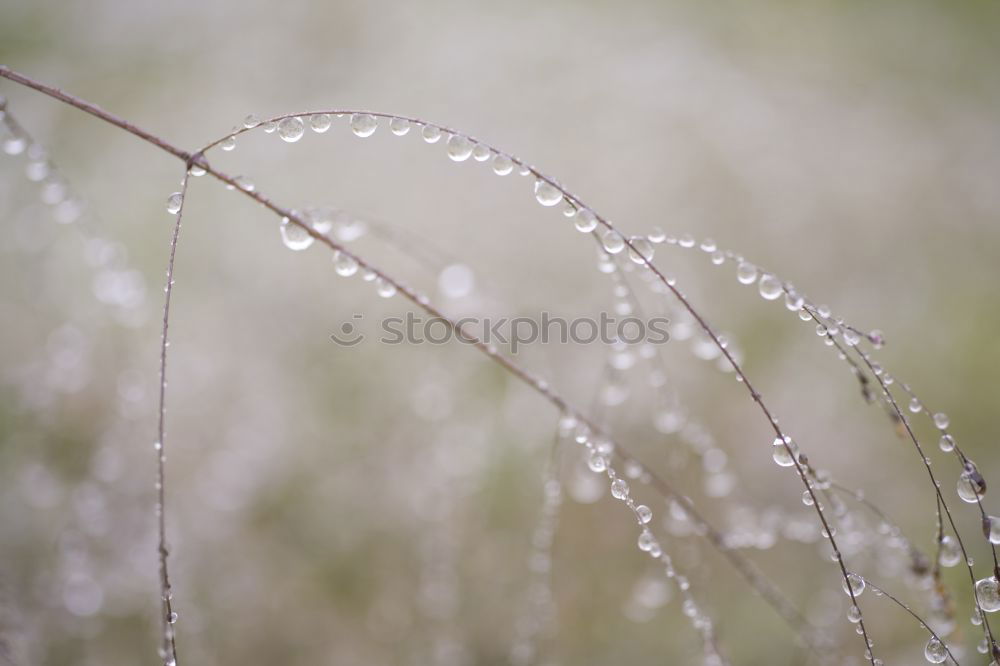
x=377 y=504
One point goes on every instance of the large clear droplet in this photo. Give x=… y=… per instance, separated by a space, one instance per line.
x=502 y=165
x=291 y=129
x=229 y=143
x=769 y=286
x=585 y=221
x=320 y=122
x=399 y=126
x=480 y=152
x=780 y=452
x=547 y=193
x=644 y=514
x=363 y=124
x=935 y=651
x=293 y=236
x=619 y=489
x=988 y=594
x=613 y=241
x=174 y=202
x=431 y=133
x=640 y=250
x=854 y=583
x=969 y=488
x=459 y=148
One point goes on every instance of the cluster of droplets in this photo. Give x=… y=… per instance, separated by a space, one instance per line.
x=599 y=452
x=640 y=251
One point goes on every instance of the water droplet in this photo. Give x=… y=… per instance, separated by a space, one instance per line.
x=172 y=618
x=251 y=121
x=992 y=528
x=769 y=287
x=399 y=126
x=746 y=272
x=320 y=122
x=807 y=498
x=270 y=126
x=502 y=165
x=781 y=454
x=641 y=250
x=854 y=614
x=229 y=143
x=793 y=301
x=363 y=124
x=459 y=148
x=481 y=153
x=946 y=443
x=291 y=129
x=619 y=489
x=547 y=193
x=935 y=651
x=613 y=241
x=597 y=462
x=174 y=202
x=646 y=541
x=969 y=488
x=644 y=514
x=988 y=594
x=344 y=264
x=196 y=171
x=854 y=583
x=950 y=554
x=431 y=133
x=585 y=221
x=384 y=288
x=293 y=236
x=915 y=406
x=941 y=420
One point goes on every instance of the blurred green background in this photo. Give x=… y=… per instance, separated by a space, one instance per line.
x=377 y=504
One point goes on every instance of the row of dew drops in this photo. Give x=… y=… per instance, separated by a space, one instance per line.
x=461 y=148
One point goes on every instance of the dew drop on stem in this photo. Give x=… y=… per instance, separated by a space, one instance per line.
x=320 y=122
x=293 y=236
x=363 y=124
x=502 y=165
x=547 y=193
x=399 y=126
x=174 y=202
x=291 y=129
x=769 y=287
